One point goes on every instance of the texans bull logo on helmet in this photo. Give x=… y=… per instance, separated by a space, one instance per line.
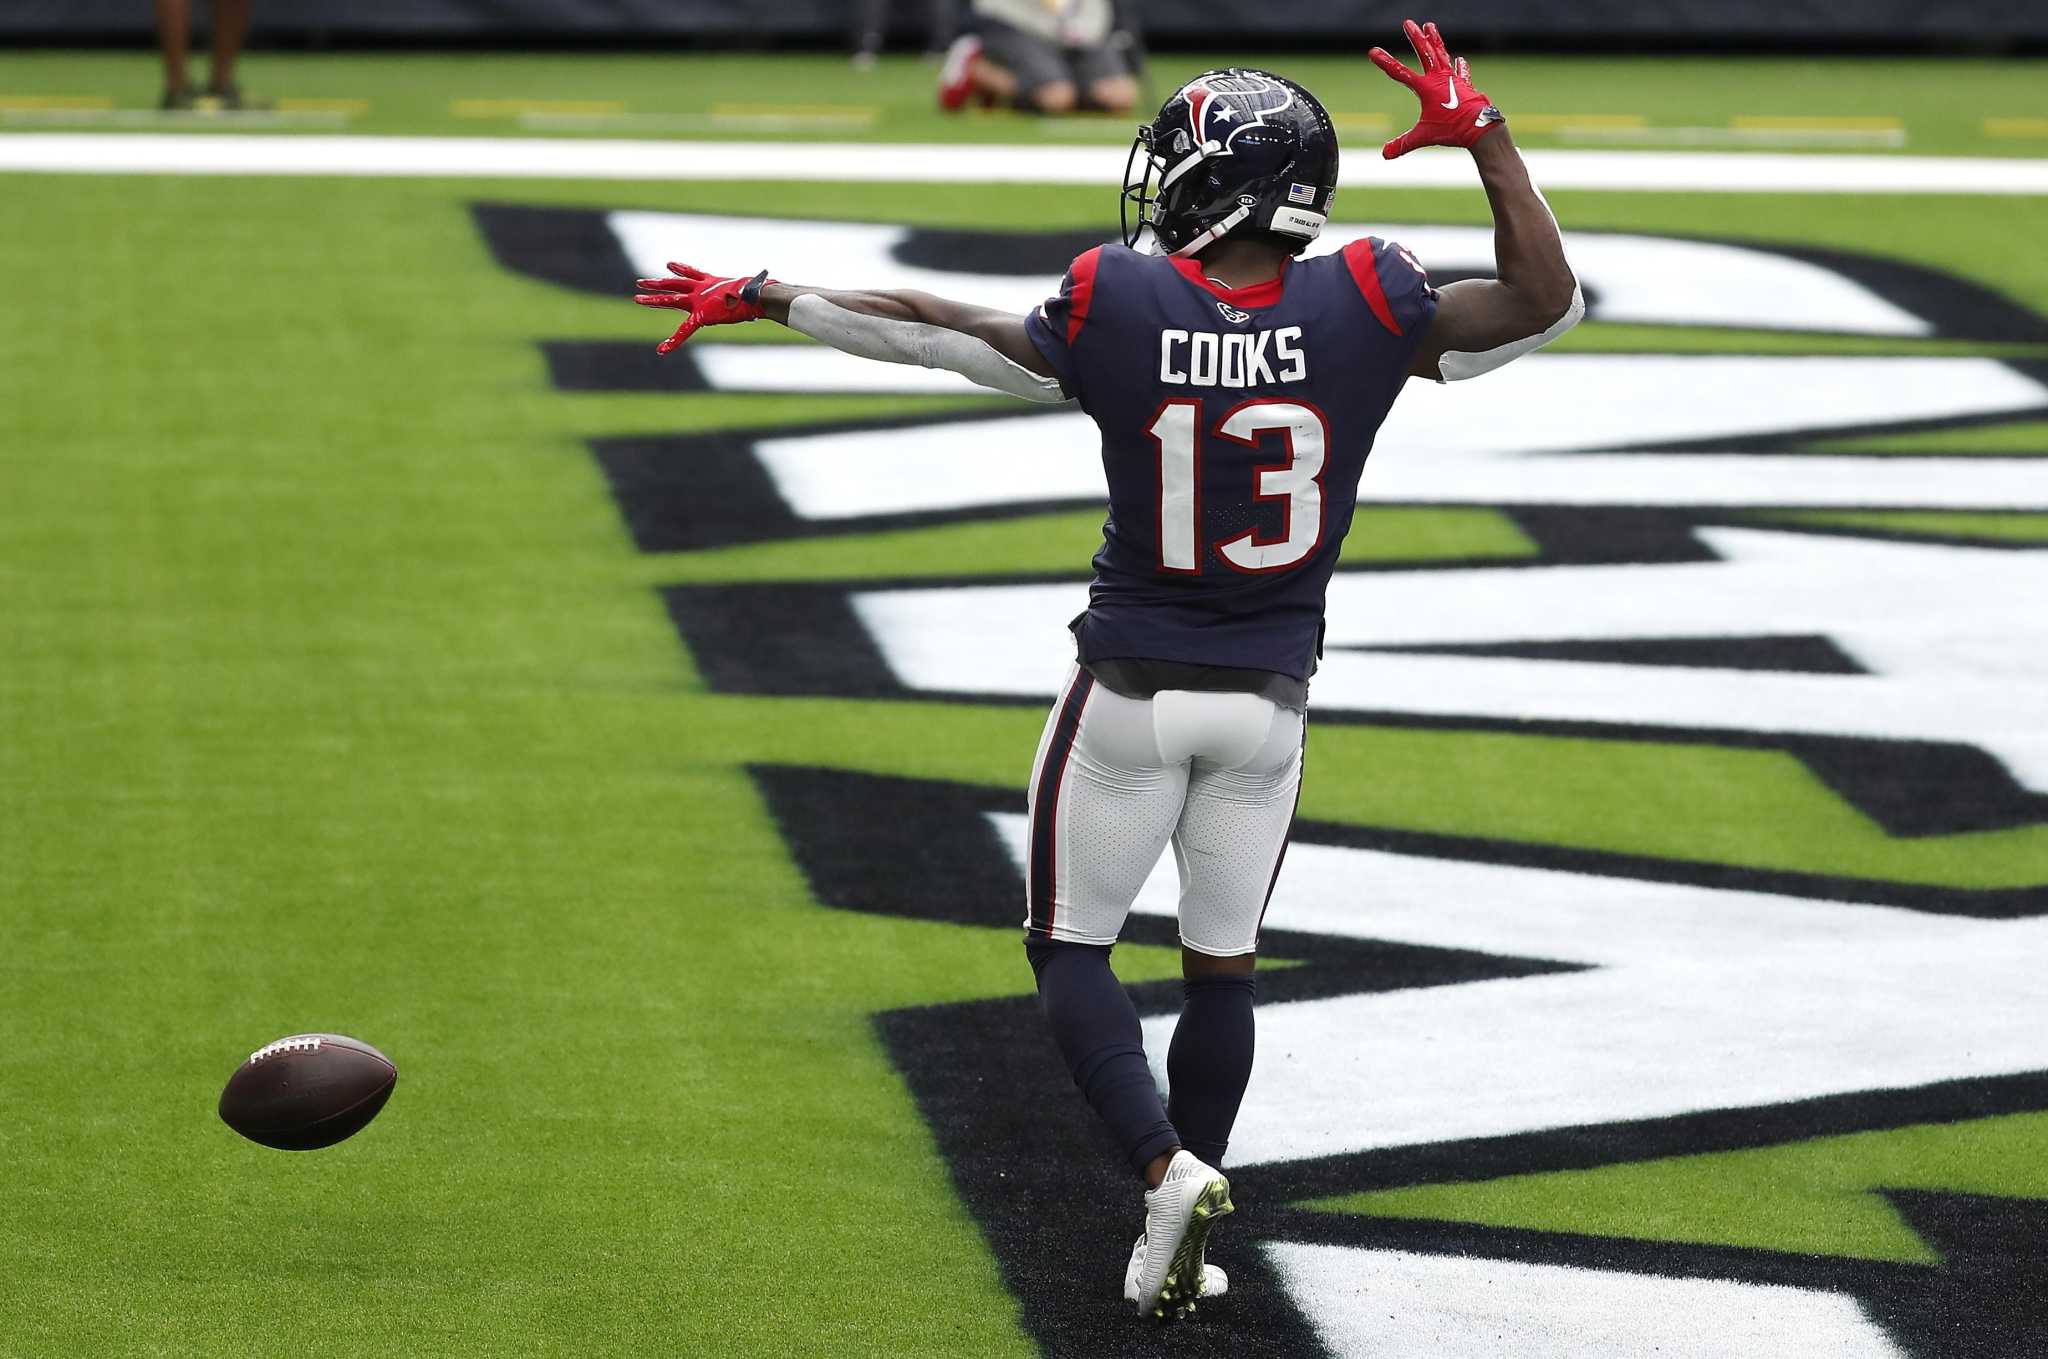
x=1233 y=152
x=1221 y=106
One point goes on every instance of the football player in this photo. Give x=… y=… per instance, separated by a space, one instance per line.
x=1238 y=387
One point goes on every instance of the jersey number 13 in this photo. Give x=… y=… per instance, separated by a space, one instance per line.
x=1297 y=482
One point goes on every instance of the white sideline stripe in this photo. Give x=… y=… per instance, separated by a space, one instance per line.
x=613 y=159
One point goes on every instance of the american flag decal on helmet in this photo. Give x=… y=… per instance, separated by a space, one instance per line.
x=1301 y=193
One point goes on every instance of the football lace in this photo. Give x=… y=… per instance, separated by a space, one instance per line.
x=308 y=1044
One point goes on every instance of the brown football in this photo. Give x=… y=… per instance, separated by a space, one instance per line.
x=310 y=1090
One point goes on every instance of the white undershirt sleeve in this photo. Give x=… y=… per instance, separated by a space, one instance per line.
x=1457 y=365
x=913 y=342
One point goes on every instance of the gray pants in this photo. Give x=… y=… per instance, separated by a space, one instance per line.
x=1038 y=62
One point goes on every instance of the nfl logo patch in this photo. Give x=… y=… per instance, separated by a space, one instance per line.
x=1301 y=193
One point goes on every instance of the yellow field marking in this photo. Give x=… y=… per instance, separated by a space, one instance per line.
x=793 y=117
x=2016 y=127
x=512 y=108
x=1761 y=123
x=1552 y=122
x=353 y=108
x=26 y=102
x=833 y=111
x=773 y=122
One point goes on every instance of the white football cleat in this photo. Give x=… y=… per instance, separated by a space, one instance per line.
x=1215 y=1283
x=1178 y=1215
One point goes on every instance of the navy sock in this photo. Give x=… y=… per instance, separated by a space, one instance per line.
x=1210 y=1061
x=1096 y=1028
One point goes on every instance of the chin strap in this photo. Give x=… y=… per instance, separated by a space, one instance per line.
x=1188 y=162
x=1215 y=233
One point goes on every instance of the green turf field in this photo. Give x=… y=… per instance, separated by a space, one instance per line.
x=335 y=695
x=1907 y=104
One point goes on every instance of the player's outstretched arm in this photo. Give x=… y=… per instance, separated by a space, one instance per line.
x=999 y=330
x=1483 y=323
x=988 y=347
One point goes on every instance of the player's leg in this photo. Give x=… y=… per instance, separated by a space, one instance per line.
x=1102 y=805
x=1242 y=752
x=1242 y=782
x=174 y=37
x=1103 y=74
x=1217 y=1009
x=1209 y=1061
x=1053 y=96
x=994 y=85
x=870 y=17
x=1104 y=801
x=1117 y=94
x=1023 y=69
x=1229 y=845
x=991 y=84
x=230 y=28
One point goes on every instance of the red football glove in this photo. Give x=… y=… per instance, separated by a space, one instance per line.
x=710 y=301
x=1453 y=112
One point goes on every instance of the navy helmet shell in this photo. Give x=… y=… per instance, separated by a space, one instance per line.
x=1232 y=151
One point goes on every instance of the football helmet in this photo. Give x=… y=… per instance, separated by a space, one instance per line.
x=1233 y=151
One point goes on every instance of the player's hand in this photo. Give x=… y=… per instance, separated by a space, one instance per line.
x=709 y=301
x=1453 y=112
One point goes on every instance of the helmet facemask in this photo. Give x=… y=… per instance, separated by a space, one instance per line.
x=1134 y=210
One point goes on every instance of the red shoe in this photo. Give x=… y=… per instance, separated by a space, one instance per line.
x=956 y=77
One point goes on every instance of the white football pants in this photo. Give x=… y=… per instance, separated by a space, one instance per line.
x=1117 y=779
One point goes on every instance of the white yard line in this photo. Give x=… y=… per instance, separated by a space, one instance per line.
x=291 y=119
x=551 y=158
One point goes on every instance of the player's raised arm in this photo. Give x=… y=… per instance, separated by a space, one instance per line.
x=1483 y=323
x=987 y=347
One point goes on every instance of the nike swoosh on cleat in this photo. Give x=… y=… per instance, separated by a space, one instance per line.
x=1452 y=102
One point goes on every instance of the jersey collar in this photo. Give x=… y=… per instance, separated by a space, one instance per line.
x=1251 y=295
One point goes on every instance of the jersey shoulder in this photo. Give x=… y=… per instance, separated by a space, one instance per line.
x=1118 y=257
x=1056 y=324
x=1076 y=296
x=1110 y=268
x=1392 y=283
x=1066 y=312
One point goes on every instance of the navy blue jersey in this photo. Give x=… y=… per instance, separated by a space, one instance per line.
x=1235 y=425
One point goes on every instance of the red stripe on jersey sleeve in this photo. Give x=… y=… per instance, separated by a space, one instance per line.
x=1083 y=292
x=1362 y=258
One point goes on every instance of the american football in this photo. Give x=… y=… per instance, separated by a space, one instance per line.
x=307 y=1091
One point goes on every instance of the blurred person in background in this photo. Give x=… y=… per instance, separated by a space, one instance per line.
x=1044 y=56
x=871 y=23
x=174 y=35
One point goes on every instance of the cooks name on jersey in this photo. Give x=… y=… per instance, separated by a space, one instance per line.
x=1254 y=358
